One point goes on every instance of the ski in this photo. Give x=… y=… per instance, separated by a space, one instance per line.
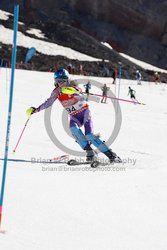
x=56 y=159
x=74 y=162
x=64 y=159
x=33 y=160
x=95 y=163
x=60 y=158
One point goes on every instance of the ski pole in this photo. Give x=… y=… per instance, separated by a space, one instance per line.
x=119 y=99
x=14 y=150
x=29 y=113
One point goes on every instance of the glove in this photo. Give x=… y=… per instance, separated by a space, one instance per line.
x=31 y=111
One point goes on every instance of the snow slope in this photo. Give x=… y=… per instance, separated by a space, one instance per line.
x=51 y=207
x=138 y=62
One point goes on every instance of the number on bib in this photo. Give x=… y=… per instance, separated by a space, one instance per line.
x=70 y=110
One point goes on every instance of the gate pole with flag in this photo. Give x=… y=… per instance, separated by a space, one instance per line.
x=14 y=50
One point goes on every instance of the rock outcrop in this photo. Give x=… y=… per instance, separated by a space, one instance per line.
x=135 y=27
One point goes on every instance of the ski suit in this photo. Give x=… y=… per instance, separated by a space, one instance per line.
x=73 y=101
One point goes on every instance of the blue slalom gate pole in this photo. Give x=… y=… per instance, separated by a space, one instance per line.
x=14 y=50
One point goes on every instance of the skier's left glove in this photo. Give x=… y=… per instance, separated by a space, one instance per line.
x=31 y=111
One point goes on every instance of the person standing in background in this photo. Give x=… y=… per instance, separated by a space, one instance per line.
x=105 y=89
x=87 y=88
x=114 y=76
x=138 y=77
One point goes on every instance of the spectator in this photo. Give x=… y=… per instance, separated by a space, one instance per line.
x=51 y=69
x=156 y=77
x=105 y=89
x=73 y=69
x=138 y=77
x=87 y=88
x=106 y=71
x=69 y=68
x=55 y=67
x=81 y=72
x=114 y=76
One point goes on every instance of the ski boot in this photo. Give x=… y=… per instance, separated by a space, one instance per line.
x=90 y=155
x=112 y=157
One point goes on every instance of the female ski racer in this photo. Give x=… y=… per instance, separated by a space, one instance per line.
x=73 y=100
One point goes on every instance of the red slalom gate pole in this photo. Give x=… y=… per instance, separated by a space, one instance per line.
x=119 y=99
x=14 y=150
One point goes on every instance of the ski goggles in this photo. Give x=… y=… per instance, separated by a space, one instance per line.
x=60 y=82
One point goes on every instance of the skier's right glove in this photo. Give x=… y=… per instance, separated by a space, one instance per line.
x=31 y=111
